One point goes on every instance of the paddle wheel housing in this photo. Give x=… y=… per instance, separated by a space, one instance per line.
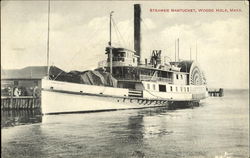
x=196 y=77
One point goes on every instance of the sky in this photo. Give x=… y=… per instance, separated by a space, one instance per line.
x=79 y=33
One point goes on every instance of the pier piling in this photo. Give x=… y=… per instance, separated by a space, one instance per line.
x=216 y=92
x=21 y=102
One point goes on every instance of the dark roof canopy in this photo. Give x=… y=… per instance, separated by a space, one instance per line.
x=184 y=65
x=30 y=72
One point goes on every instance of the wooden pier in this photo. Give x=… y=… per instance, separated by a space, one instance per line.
x=216 y=92
x=20 y=102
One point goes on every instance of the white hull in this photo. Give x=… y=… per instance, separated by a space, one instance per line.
x=64 y=97
x=60 y=102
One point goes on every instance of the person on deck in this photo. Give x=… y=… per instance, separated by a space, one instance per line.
x=16 y=92
x=36 y=92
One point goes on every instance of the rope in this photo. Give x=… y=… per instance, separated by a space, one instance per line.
x=116 y=27
x=116 y=32
x=70 y=61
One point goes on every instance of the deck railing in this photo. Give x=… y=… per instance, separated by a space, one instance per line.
x=21 y=102
x=117 y=61
x=153 y=78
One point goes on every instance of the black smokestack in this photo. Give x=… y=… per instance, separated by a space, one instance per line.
x=137 y=30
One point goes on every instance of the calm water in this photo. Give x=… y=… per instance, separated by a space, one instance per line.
x=218 y=128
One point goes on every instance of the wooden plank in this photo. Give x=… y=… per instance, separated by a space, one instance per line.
x=14 y=97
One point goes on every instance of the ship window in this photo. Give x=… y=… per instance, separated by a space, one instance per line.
x=181 y=77
x=133 y=60
x=162 y=88
x=15 y=83
x=164 y=74
x=36 y=82
x=153 y=86
x=176 y=88
x=177 y=76
x=148 y=86
x=184 y=89
x=181 y=89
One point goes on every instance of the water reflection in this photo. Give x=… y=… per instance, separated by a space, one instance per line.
x=154 y=111
x=217 y=127
x=135 y=134
x=11 y=118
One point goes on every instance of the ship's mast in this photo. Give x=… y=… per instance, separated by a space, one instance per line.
x=178 y=46
x=190 y=53
x=175 y=50
x=110 y=44
x=196 y=52
x=48 y=39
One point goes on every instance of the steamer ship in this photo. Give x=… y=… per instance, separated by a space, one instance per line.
x=123 y=81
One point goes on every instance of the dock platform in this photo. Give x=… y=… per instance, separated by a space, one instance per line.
x=20 y=102
x=216 y=92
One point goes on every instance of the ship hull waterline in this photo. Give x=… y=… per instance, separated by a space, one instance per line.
x=73 y=103
x=62 y=97
x=61 y=102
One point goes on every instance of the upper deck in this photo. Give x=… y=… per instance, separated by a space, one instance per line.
x=122 y=57
x=127 y=68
